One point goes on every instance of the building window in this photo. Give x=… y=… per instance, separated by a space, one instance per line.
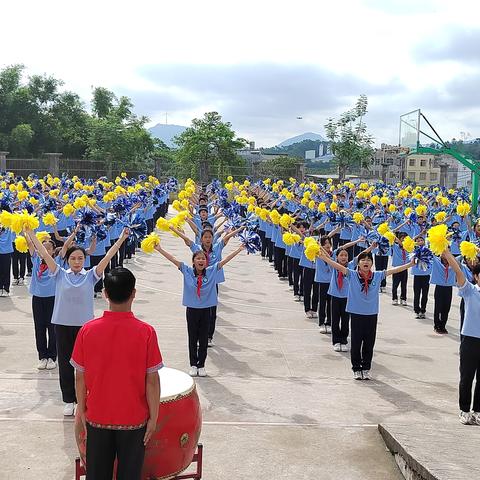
x=423 y=162
x=423 y=175
x=433 y=177
x=411 y=162
x=411 y=175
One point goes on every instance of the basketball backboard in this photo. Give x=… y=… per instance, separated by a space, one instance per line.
x=410 y=131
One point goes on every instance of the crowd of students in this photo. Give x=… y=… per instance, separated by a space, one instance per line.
x=332 y=243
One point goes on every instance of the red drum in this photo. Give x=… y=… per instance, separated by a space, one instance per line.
x=171 y=448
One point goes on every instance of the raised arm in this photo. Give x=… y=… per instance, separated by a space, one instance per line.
x=353 y=242
x=68 y=242
x=100 y=268
x=401 y=268
x=187 y=241
x=192 y=225
x=31 y=247
x=230 y=256
x=56 y=234
x=168 y=256
x=461 y=279
x=42 y=251
x=93 y=245
x=227 y=237
x=326 y=258
x=334 y=231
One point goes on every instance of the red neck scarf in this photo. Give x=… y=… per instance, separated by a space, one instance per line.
x=199 y=284
x=43 y=268
x=366 y=279
x=340 y=280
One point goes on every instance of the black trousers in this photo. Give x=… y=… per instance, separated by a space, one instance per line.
x=29 y=264
x=104 y=445
x=213 y=319
x=421 y=285
x=443 y=302
x=399 y=279
x=280 y=262
x=94 y=261
x=5 y=267
x=364 y=332
x=290 y=270
x=381 y=263
x=19 y=264
x=297 y=277
x=42 y=308
x=198 y=324
x=269 y=249
x=340 y=320
x=324 y=305
x=462 y=315
x=469 y=369
x=66 y=337
x=261 y=234
x=310 y=290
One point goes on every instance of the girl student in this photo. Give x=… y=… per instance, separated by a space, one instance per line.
x=399 y=257
x=470 y=342
x=421 y=285
x=42 y=290
x=363 y=305
x=338 y=291
x=6 y=251
x=73 y=305
x=443 y=277
x=199 y=296
x=213 y=254
x=296 y=253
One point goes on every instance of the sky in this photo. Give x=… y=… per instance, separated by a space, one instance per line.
x=261 y=64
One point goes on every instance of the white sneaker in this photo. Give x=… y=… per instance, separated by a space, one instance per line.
x=403 y=303
x=466 y=418
x=357 y=375
x=314 y=314
x=329 y=328
x=51 y=364
x=323 y=329
x=290 y=287
x=298 y=298
x=2 y=293
x=210 y=342
x=308 y=314
x=6 y=294
x=42 y=364
x=337 y=347
x=193 y=372
x=21 y=281
x=366 y=375
x=476 y=418
x=394 y=302
x=343 y=348
x=69 y=409
x=202 y=372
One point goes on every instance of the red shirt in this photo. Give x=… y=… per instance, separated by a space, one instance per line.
x=116 y=351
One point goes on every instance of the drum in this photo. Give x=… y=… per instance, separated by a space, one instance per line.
x=172 y=447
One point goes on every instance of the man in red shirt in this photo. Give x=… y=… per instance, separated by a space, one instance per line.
x=116 y=358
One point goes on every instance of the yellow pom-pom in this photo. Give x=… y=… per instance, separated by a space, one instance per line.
x=408 y=211
x=360 y=194
x=177 y=206
x=440 y=216
x=21 y=244
x=123 y=175
x=149 y=243
x=333 y=207
x=275 y=217
x=33 y=201
x=408 y=244
x=6 y=219
x=79 y=203
x=384 y=200
x=43 y=236
x=329 y=181
x=437 y=238
x=230 y=178
x=463 y=209
x=23 y=195
x=78 y=186
x=469 y=250
x=445 y=202
x=358 y=217
x=49 y=219
x=287 y=238
x=263 y=214
x=286 y=220
x=392 y=208
x=68 y=209
x=390 y=236
x=382 y=228
x=375 y=199
x=322 y=208
x=311 y=204
x=421 y=210
x=162 y=224
x=312 y=250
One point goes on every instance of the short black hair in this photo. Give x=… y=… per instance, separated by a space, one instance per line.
x=363 y=255
x=74 y=249
x=476 y=269
x=119 y=284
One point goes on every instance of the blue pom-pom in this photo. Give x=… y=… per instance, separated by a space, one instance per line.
x=87 y=217
x=251 y=240
x=424 y=257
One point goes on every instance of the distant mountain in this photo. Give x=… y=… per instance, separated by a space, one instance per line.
x=166 y=133
x=301 y=138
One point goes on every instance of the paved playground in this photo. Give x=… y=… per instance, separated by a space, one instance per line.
x=278 y=402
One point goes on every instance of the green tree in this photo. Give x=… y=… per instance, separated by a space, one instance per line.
x=102 y=102
x=20 y=139
x=280 y=167
x=351 y=143
x=208 y=148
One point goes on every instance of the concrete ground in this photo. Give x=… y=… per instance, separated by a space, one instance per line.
x=278 y=402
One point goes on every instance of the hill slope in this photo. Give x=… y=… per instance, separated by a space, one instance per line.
x=166 y=133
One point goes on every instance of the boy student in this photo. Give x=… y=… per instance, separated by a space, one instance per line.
x=116 y=358
x=470 y=342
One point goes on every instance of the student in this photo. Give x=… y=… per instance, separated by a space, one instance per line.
x=443 y=278
x=470 y=343
x=6 y=251
x=19 y=267
x=199 y=295
x=399 y=257
x=421 y=285
x=296 y=254
x=323 y=275
x=363 y=305
x=310 y=287
x=73 y=305
x=119 y=414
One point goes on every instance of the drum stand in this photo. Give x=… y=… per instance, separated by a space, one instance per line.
x=197 y=458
